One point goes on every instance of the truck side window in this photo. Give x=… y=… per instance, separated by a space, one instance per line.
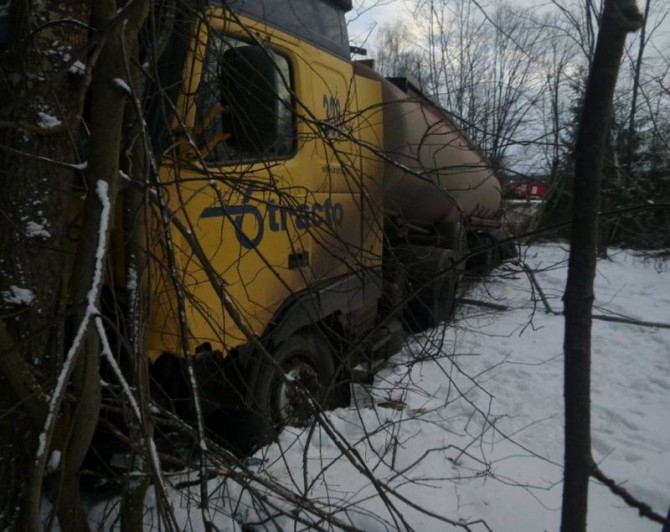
x=244 y=103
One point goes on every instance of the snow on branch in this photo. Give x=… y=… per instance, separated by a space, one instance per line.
x=121 y=84
x=91 y=311
x=643 y=508
x=107 y=353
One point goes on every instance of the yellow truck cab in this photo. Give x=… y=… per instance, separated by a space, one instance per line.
x=307 y=208
x=272 y=178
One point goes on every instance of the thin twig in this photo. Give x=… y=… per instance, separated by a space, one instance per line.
x=536 y=284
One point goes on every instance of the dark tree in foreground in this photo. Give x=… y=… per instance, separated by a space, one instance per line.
x=59 y=55
x=619 y=18
x=42 y=100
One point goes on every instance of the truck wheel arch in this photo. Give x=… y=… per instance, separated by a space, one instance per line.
x=315 y=304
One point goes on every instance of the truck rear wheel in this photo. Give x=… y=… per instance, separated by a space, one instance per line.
x=484 y=253
x=432 y=278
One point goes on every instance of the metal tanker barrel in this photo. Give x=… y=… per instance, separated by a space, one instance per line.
x=433 y=174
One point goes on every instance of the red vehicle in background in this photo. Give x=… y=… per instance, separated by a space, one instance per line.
x=526 y=189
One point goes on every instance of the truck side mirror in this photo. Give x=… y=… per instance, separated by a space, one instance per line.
x=249 y=83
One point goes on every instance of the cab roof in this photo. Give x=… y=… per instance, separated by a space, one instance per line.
x=320 y=22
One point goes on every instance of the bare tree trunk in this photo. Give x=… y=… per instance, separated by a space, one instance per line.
x=630 y=140
x=43 y=76
x=108 y=102
x=620 y=17
x=41 y=100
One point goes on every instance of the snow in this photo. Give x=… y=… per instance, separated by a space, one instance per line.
x=41 y=445
x=102 y=189
x=77 y=68
x=54 y=461
x=121 y=84
x=47 y=121
x=17 y=295
x=131 y=284
x=465 y=423
x=37 y=230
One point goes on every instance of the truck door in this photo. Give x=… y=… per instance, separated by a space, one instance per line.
x=237 y=182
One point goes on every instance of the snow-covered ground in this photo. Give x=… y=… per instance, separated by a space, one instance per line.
x=465 y=424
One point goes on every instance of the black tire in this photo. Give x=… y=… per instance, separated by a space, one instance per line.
x=300 y=376
x=395 y=335
x=485 y=254
x=432 y=279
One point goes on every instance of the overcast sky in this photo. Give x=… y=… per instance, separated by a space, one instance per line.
x=368 y=15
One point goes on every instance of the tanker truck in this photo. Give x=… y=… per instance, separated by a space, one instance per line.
x=317 y=213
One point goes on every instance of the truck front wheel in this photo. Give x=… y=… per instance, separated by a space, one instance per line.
x=296 y=382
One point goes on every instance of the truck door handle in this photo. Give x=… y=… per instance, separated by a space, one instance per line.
x=297 y=260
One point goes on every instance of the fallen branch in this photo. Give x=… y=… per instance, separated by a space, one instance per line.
x=644 y=509
x=631 y=321
x=483 y=304
x=616 y=319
